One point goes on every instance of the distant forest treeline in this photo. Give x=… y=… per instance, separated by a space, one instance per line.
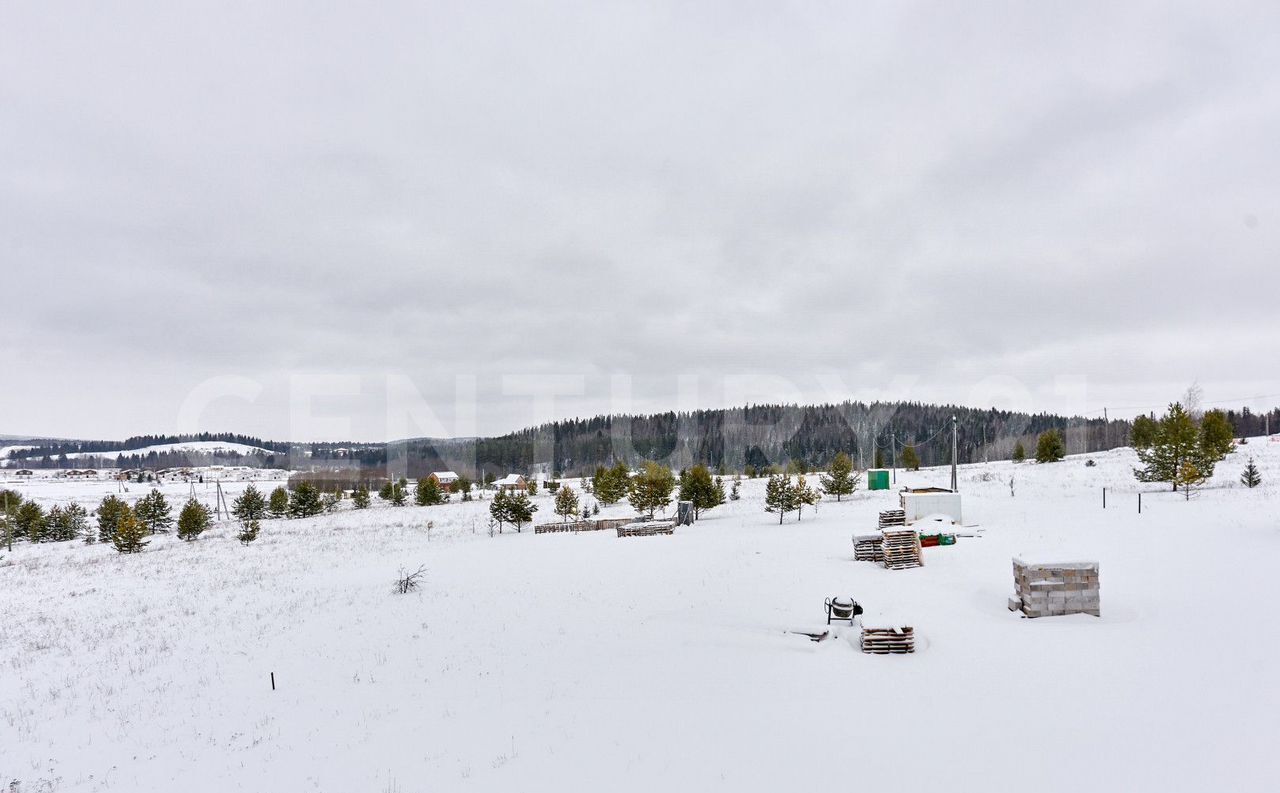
x=757 y=436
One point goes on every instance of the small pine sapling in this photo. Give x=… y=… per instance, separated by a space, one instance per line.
x=360 y=497
x=1251 y=477
x=566 y=504
x=278 y=503
x=129 y=533
x=248 y=532
x=193 y=519
x=153 y=512
x=1019 y=452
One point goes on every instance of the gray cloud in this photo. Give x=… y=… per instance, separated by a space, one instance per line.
x=950 y=193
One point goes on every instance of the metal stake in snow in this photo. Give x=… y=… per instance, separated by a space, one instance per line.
x=273 y=681
x=954 y=487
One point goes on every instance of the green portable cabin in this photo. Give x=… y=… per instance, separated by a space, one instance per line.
x=878 y=479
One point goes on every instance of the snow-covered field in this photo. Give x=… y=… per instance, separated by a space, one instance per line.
x=47 y=490
x=588 y=662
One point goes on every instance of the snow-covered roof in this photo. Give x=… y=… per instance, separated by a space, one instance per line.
x=445 y=476
x=510 y=479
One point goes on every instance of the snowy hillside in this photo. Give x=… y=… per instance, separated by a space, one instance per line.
x=196 y=447
x=577 y=662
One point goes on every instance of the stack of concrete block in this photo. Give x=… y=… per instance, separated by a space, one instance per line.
x=887 y=641
x=901 y=549
x=868 y=548
x=1048 y=590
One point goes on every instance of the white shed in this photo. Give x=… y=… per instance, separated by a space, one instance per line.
x=918 y=502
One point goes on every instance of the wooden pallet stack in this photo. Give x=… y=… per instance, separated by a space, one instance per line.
x=581 y=525
x=888 y=641
x=868 y=548
x=1050 y=590
x=901 y=549
x=893 y=517
x=647 y=529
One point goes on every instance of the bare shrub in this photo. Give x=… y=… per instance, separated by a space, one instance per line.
x=408 y=582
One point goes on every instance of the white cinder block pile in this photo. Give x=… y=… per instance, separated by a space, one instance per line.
x=1048 y=590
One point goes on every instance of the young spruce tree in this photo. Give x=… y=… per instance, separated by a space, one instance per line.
x=1251 y=477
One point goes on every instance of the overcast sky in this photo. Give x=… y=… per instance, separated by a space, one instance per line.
x=211 y=217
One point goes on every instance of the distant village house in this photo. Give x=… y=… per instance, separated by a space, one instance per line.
x=511 y=482
x=446 y=479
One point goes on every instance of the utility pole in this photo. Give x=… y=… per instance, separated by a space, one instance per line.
x=893 y=451
x=954 y=485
